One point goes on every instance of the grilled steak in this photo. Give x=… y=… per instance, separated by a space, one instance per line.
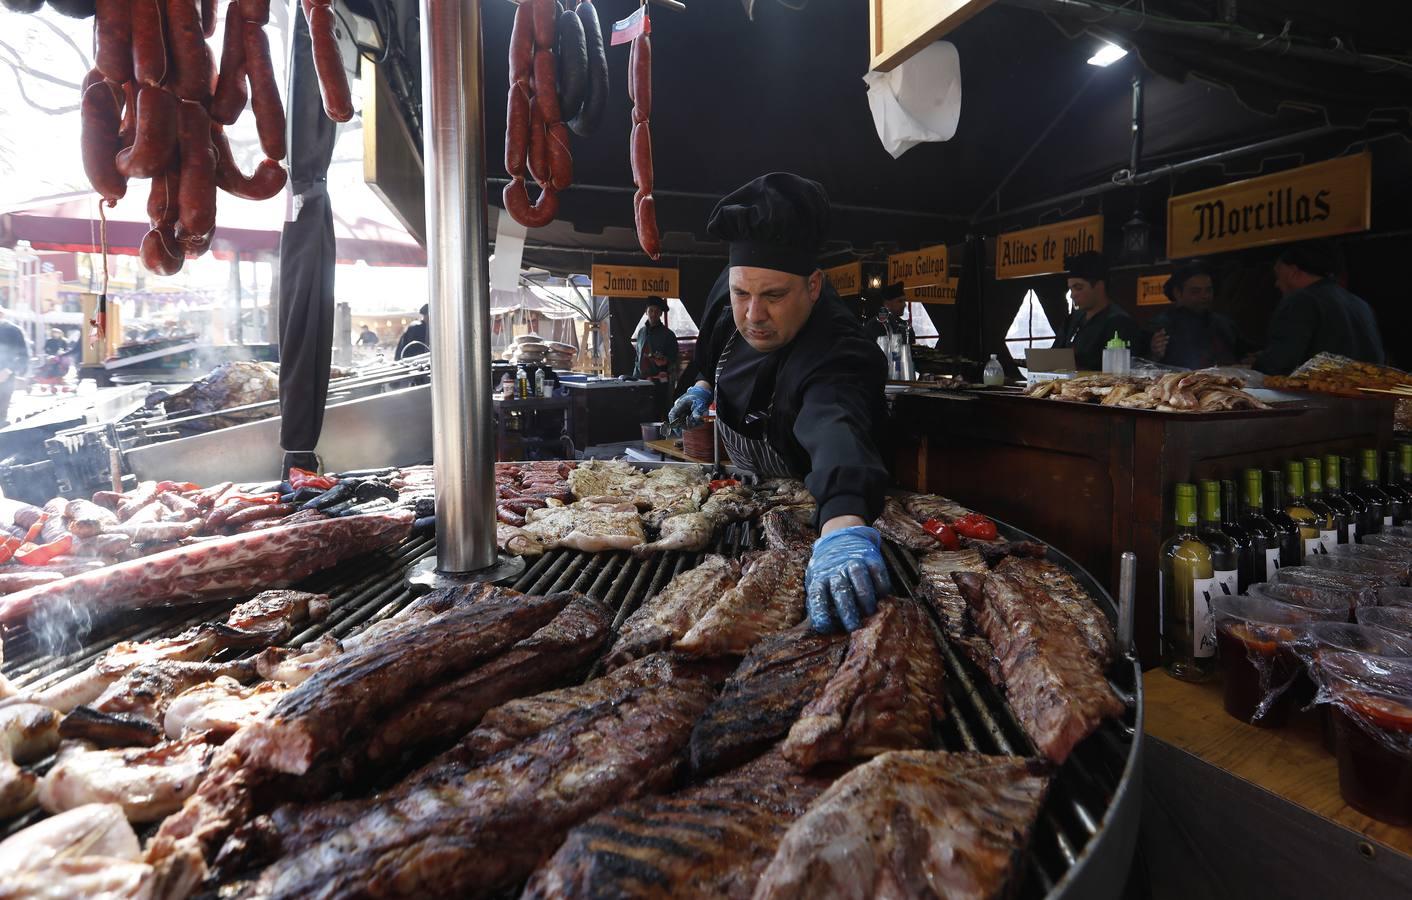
x=273 y=615
x=131 y=709
x=760 y=702
x=898 y=526
x=1076 y=602
x=789 y=528
x=936 y=586
x=664 y=618
x=1055 y=686
x=911 y=824
x=995 y=552
x=732 y=503
x=889 y=693
x=930 y=506
x=768 y=598
x=478 y=833
x=710 y=841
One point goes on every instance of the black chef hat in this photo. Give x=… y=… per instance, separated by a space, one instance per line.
x=658 y=302
x=894 y=291
x=1088 y=265
x=775 y=222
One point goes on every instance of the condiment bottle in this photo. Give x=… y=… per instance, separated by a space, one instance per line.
x=994 y=374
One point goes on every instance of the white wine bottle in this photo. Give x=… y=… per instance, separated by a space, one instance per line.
x=1311 y=541
x=1186 y=584
x=1225 y=554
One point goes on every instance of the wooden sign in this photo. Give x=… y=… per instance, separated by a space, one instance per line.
x=846 y=279
x=1150 y=290
x=899 y=28
x=1319 y=200
x=918 y=268
x=943 y=293
x=1041 y=251
x=635 y=281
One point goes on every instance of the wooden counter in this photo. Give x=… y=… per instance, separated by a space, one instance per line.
x=1096 y=480
x=1235 y=810
x=671 y=448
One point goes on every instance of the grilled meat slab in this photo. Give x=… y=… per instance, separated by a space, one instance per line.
x=732 y=503
x=365 y=682
x=888 y=694
x=99 y=829
x=1055 y=686
x=911 y=824
x=898 y=526
x=273 y=615
x=688 y=531
x=936 y=586
x=711 y=841
x=28 y=732
x=762 y=700
x=589 y=528
x=148 y=783
x=932 y=506
x=768 y=598
x=790 y=528
x=995 y=552
x=1075 y=602
x=665 y=617
x=478 y=833
x=219 y=708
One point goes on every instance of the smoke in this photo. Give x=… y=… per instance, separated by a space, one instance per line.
x=61 y=626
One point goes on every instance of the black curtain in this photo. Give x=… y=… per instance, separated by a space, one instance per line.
x=306 y=257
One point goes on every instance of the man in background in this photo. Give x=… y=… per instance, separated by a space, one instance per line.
x=1317 y=315
x=417 y=334
x=656 y=344
x=889 y=316
x=367 y=338
x=1189 y=334
x=14 y=363
x=1096 y=318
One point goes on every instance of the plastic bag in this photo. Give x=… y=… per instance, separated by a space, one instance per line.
x=1330 y=579
x=1254 y=638
x=1388 y=539
x=1371 y=701
x=1363 y=637
x=1395 y=596
x=1371 y=551
x=1396 y=619
x=1391 y=572
x=1328 y=604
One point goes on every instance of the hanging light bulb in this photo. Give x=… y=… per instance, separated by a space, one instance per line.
x=1107 y=55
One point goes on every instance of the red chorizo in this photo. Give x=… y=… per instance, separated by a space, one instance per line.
x=162 y=197
x=149 y=42
x=154 y=146
x=269 y=178
x=128 y=129
x=192 y=77
x=161 y=252
x=229 y=98
x=258 y=512
x=546 y=21
x=517 y=204
x=538 y=157
x=546 y=96
x=196 y=245
x=208 y=18
x=522 y=45
x=264 y=92
x=561 y=161
x=328 y=62
x=517 y=125
x=196 y=197
x=256 y=12
x=645 y=217
x=101 y=110
x=112 y=34
x=641 y=157
x=640 y=83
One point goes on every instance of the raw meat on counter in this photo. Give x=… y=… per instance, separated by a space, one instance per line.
x=709 y=841
x=665 y=617
x=912 y=824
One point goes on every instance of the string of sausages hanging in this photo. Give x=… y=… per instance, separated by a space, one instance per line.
x=558 y=84
x=156 y=107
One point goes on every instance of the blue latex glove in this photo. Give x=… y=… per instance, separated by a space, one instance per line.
x=845 y=577
x=691 y=405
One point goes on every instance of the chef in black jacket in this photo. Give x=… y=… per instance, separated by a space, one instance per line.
x=1096 y=318
x=797 y=385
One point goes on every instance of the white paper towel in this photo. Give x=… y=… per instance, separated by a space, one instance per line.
x=509 y=253
x=918 y=101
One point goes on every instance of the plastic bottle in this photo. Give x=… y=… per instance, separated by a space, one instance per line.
x=1117 y=358
x=521 y=383
x=994 y=374
x=539 y=382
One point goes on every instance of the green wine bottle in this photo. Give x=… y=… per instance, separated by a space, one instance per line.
x=1244 y=540
x=1392 y=486
x=1333 y=524
x=1186 y=584
x=1333 y=496
x=1291 y=541
x=1298 y=508
x=1363 y=510
x=1225 y=555
x=1379 y=515
x=1265 y=554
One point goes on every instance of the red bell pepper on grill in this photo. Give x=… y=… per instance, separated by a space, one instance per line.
x=976 y=526
x=38 y=556
x=8 y=548
x=944 y=533
x=719 y=483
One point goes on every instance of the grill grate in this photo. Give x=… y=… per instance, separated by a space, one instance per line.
x=368 y=591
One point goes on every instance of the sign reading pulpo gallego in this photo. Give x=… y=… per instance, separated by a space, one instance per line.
x=1312 y=201
x=922 y=272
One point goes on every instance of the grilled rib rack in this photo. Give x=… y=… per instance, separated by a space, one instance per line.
x=1081 y=846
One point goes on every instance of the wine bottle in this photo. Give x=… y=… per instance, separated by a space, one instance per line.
x=1225 y=555
x=1334 y=497
x=1405 y=454
x=1265 y=537
x=1392 y=486
x=1186 y=584
x=1333 y=524
x=1379 y=515
x=1311 y=521
x=1291 y=541
x=1365 y=514
x=1244 y=540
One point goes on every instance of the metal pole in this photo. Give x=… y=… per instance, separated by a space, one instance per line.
x=463 y=437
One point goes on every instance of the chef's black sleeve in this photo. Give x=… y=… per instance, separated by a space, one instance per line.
x=839 y=416
x=1291 y=334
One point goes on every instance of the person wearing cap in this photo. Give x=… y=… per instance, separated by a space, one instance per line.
x=1317 y=315
x=1189 y=333
x=1096 y=318
x=889 y=316
x=656 y=344
x=798 y=387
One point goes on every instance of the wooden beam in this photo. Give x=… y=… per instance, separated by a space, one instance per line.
x=899 y=28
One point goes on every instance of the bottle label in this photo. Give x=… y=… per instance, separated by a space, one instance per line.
x=1227 y=583
x=1352 y=532
x=1329 y=538
x=1314 y=546
x=1272 y=562
x=1203 y=620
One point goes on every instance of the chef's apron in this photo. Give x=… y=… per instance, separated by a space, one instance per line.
x=753 y=454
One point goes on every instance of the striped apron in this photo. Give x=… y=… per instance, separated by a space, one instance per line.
x=757 y=456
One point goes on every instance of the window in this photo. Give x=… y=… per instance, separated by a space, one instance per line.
x=1030 y=328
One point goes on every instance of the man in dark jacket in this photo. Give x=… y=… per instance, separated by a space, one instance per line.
x=798 y=387
x=14 y=363
x=1096 y=318
x=1317 y=315
x=1189 y=334
x=657 y=351
x=416 y=339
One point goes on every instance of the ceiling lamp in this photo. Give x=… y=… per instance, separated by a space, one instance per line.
x=1107 y=55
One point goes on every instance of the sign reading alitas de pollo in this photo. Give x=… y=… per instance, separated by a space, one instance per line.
x=1041 y=251
x=846 y=279
x=917 y=268
x=1323 y=199
x=635 y=281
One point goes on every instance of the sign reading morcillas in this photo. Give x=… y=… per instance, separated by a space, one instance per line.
x=1041 y=250
x=918 y=268
x=635 y=281
x=1150 y=290
x=1319 y=200
x=846 y=279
